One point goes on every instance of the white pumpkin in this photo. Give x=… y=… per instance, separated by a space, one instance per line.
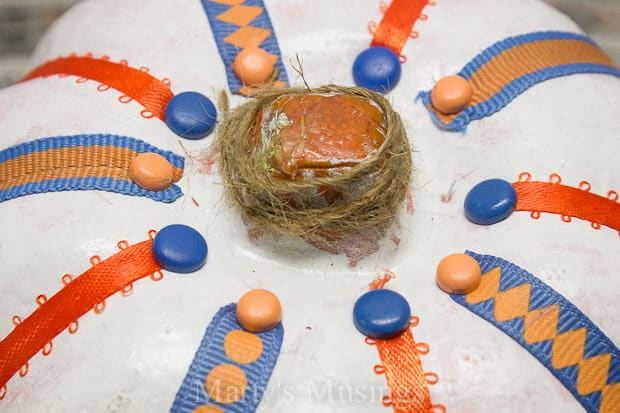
x=134 y=356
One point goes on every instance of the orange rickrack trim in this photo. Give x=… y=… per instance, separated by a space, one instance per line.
x=78 y=296
x=402 y=367
x=397 y=24
x=135 y=84
x=567 y=201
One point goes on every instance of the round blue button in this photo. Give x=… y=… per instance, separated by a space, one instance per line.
x=179 y=248
x=377 y=68
x=191 y=115
x=490 y=201
x=381 y=314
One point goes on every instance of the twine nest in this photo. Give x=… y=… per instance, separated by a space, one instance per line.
x=372 y=191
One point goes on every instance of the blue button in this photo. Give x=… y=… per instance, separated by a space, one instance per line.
x=191 y=115
x=377 y=68
x=381 y=314
x=179 y=248
x=490 y=201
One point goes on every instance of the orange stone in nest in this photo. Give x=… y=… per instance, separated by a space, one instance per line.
x=317 y=136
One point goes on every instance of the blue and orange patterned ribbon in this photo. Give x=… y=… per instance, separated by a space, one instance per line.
x=227 y=346
x=551 y=328
x=80 y=162
x=239 y=24
x=508 y=68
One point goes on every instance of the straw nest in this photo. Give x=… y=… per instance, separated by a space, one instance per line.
x=371 y=192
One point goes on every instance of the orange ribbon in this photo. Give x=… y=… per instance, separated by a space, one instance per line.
x=79 y=295
x=397 y=23
x=135 y=84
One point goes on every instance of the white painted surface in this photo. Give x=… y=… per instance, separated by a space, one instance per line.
x=134 y=355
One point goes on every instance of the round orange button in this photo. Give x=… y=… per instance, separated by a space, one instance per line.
x=254 y=66
x=458 y=274
x=258 y=311
x=151 y=171
x=451 y=94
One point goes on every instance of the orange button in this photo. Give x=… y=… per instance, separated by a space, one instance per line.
x=451 y=94
x=458 y=274
x=254 y=66
x=151 y=171
x=258 y=311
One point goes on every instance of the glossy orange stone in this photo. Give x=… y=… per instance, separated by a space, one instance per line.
x=458 y=274
x=254 y=66
x=258 y=311
x=318 y=136
x=451 y=94
x=151 y=171
x=226 y=384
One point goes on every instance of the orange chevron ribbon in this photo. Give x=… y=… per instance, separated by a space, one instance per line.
x=237 y=25
x=531 y=312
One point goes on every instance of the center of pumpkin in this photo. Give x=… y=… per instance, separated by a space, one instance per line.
x=306 y=136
